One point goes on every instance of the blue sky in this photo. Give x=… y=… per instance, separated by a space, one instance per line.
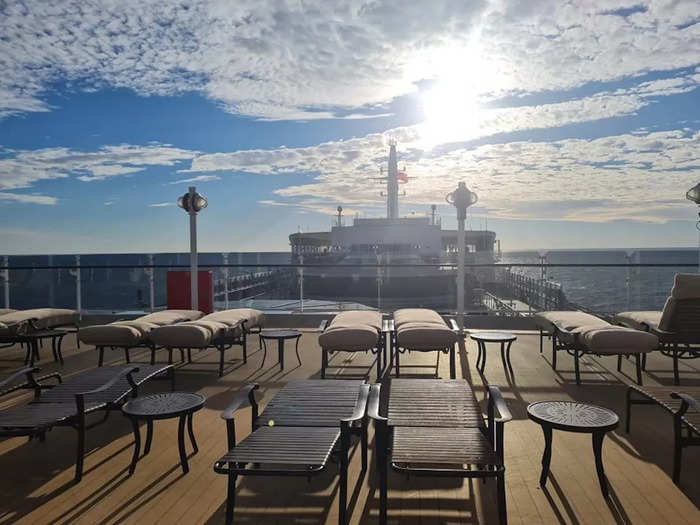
x=577 y=126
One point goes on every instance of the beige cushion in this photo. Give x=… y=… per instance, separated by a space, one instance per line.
x=254 y=318
x=358 y=317
x=613 y=339
x=198 y=333
x=425 y=336
x=121 y=333
x=358 y=337
x=642 y=320
x=416 y=315
x=44 y=318
x=686 y=286
x=4 y=311
x=171 y=316
x=566 y=320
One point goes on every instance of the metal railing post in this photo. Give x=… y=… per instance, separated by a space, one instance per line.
x=78 y=289
x=224 y=257
x=6 y=279
x=301 y=283
x=151 y=282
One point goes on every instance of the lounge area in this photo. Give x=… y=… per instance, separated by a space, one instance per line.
x=638 y=465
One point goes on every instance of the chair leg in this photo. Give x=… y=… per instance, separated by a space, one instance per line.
x=541 y=340
x=554 y=353
x=100 y=355
x=676 y=377
x=398 y=368
x=363 y=444
x=127 y=358
x=576 y=367
x=501 y=488
x=628 y=411
x=453 y=366
x=230 y=498
x=221 y=361
x=80 y=452
x=153 y=355
x=324 y=363
x=619 y=362
x=677 y=449
x=638 y=366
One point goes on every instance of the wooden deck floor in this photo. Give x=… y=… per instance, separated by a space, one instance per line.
x=35 y=479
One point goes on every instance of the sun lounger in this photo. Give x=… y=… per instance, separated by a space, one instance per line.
x=134 y=333
x=434 y=427
x=17 y=327
x=580 y=333
x=220 y=330
x=677 y=326
x=684 y=407
x=301 y=427
x=70 y=402
x=353 y=331
x=422 y=330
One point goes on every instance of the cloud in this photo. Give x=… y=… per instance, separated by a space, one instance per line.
x=324 y=58
x=23 y=168
x=200 y=178
x=28 y=199
x=161 y=204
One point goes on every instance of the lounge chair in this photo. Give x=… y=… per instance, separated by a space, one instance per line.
x=301 y=427
x=434 y=427
x=684 y=408
x=70 y=402
x=134 y=333
x=220 y=330
x=353 y=331
x=580 y=333
x=422 y=330
x=17 y=327
x=677 y=326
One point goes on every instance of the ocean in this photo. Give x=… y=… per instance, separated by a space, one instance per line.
x=605 y=290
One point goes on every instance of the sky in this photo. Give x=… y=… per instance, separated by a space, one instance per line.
x=576 y=123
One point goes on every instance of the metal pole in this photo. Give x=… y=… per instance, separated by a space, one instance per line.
x=194 y=293
x=301 y=283
x=460 y=273
x=78 y=290
x=6 y=279
x=151 y=283
x=225 y=259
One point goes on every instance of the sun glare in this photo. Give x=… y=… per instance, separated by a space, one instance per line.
x=452 y=113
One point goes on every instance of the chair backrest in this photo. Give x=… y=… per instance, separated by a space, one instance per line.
x=681 y=313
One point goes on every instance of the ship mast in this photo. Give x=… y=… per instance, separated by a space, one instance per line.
x=392 y=185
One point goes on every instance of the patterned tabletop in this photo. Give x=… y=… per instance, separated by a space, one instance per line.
x=280 y=334
x=165 y=405
x=572 y=416
x=493 y=337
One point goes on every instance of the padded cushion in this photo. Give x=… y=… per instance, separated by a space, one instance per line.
x=642 y=320
x=358 y=317
x=616 y=340
x=566 y=320
x=121 y=333
x=4 y=311
x=254 y=318
x=198 y=333
x=425 y=336
x=686 y=286
x=171 y=316
x=358 y=337
x=416 y=315
x=44 y=318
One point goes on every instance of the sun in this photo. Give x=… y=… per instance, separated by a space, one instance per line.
x=452 y=113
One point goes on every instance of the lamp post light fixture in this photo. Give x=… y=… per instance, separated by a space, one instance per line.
x=461 y=199
x=693 y=194
x=192 y=202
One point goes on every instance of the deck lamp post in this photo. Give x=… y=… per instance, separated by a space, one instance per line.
x=192 y=202
x=461 y=199
x=693 y=194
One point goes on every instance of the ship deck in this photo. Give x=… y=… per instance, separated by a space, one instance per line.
x=35 y=486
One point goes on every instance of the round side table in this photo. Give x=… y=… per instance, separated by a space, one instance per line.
x=281 y=336
x=505 y=339
x=570 y=416
x=163 y=406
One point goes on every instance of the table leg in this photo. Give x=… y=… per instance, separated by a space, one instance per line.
x=34 y=345
x=181 y=444
x=598 y=453
x=137 y=445
x=547 y=456
x=510 y=366
x=59 y=349
x=297 y=350
x=280 y=353
x=478 y=355
x=263 y=345
x=53 y=350
x=191 y=432
x=482 y=351
x=149 y=437
x=503 y=357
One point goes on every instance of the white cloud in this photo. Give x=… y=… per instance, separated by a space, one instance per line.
x=200 y=178
x=161 y=204
x=292 y=60
x=28 y=198
x=21 y=169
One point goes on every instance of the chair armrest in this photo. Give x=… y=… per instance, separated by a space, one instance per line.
x=30 y=382
x=496 y=401
x=80 y=397
x=245 y=397
x=687 y=401
x=373 y=404
x=360 y=407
